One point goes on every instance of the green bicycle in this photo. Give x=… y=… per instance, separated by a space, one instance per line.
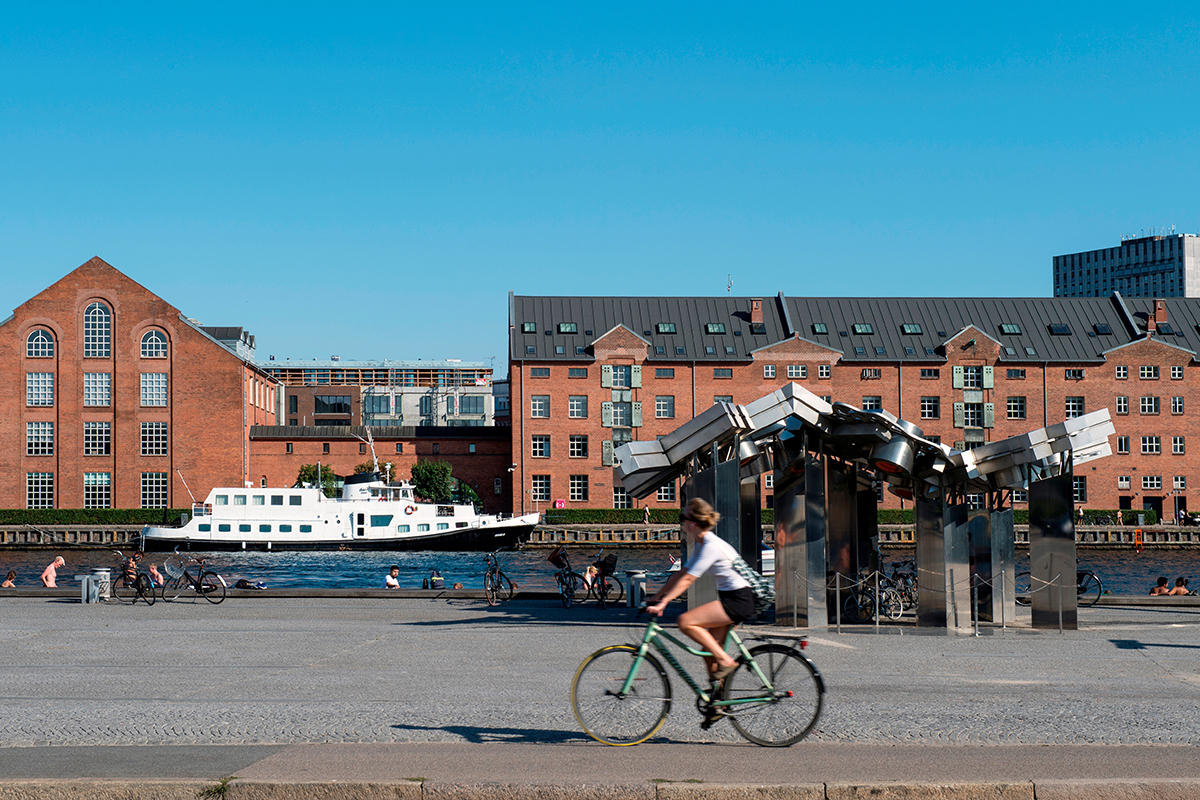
x=621 y=695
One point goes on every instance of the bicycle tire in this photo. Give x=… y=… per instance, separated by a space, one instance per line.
x=212 y=587
x=891 y=604
x=566 y=591
x=1023 y=589
x=616 y=592
x=504 y=587
x=1088 y=589
x=172 y=589
x=609 y=718
x=489 y=589
x=794 y=703
x=118 y=590
x=600 y=592
x=859 y=607
x=144 y=589
x=581 y=589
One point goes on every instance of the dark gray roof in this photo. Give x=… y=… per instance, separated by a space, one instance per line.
x=939 y=319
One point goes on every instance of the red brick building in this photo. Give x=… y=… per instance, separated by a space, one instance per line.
x=114 y=399
x=588 y=373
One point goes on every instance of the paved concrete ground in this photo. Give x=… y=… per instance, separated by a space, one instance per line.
x=314 y=690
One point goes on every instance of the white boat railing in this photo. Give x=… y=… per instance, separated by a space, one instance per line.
x=201 y=509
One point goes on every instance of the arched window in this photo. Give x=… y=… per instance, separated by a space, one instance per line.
x=97 y=328
x=154 y=345
x=40 y=345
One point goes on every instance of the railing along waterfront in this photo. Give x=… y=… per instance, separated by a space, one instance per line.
x=60 y=536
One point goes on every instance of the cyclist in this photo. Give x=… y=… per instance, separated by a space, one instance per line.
x=709 y=623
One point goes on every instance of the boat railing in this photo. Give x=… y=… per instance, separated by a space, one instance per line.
x=201 y=509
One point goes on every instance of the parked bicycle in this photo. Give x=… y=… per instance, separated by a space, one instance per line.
x=496 y=585
x=604 y=585
x=128 y=582
x=621 y=694
x=1088 y=588
x=179 y=578
x=859 y=605
x=570 y=583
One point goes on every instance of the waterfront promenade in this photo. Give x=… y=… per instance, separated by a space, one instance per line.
x=338 y=697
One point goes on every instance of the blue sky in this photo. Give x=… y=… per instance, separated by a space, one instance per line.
x=371 y=181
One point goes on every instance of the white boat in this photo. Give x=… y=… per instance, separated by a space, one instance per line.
x=369 y=515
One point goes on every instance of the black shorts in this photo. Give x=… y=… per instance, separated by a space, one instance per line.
x=738 y=604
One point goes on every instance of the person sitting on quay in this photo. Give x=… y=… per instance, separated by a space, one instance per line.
x=1180 y=586
x=1160 y=587
x=10 y=581
x=50 y=573
x=392 y=581
x=156 y=577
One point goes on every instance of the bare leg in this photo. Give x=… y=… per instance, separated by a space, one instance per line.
x=707 y=625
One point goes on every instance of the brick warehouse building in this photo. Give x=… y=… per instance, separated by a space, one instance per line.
x=114 y=399
x=588 y=373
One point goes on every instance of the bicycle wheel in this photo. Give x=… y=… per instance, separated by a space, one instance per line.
x=144 y=589
x=1088 y=589
x=614 y=591
x=489 y=588
x=1022 y=589
x=788 y=709
x=600 y=590
x=606 y=715
x=118 y=590
x=172 y=589
x=566 y=589
x=580 y=587
x=859 y=606
x=504 y=587
x=212 y=587
x=891 y=604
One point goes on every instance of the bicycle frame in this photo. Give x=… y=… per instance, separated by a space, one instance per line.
x=653 y=636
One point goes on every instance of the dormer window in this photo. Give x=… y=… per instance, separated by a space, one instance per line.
x=820 y=328
x=863 y=329
x=1103 y=329
x=1010 y=329
x=714 y=328
x=910 y=329
x=529 y=327
x=568 y=327
x=1059 y=329
x=665 y=327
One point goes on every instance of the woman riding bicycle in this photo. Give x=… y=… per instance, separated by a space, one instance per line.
x=710 y=555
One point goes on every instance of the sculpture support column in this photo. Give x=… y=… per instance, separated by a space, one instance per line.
x=1052 y=552
x=943 y=569
x=800 y=543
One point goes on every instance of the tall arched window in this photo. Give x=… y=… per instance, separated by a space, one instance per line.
x=97 y=331
x=40 y=345
x=154 y=345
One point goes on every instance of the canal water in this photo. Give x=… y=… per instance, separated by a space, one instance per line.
x=1122 y=571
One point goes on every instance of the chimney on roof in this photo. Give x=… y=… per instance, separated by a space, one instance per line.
x=1157 y=318
x=756 y=317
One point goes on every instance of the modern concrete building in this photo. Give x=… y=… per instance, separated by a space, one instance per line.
x=1151 y=266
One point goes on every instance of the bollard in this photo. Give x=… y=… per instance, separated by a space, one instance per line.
x=103 y=580
x=89 y=591
x=635 y=581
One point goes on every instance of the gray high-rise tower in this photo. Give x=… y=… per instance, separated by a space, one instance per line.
x=1152 y=266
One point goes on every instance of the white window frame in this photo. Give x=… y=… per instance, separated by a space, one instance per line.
x=1122 y=404
x=1176 y=373
x=577 y=446
x=768 y=371
x=1147 y=372
x=39 y=490
x=1016 y=407
x=621 y=498
x=154 y=438
x=154 y=489
x=39 y=438
x=798 y=371
x=39 y=389
x=97 y=388
x=578 y=488
x=1073 y=407
x=97 y=490
x=154 y=393
x=39 y=344
x=539 y=406
x=539 y=488
x=1152 y=482
x=664 y=406
x=1151 y=445
x=1178 y=446
x=1123 y=482
x=539 y=445
x=1177 y=405
x=1179 y=482
x=824 y=370
x=1122 y=373
x=577 y=406
x=154 y=344
x=97 y=331
x=666 y=493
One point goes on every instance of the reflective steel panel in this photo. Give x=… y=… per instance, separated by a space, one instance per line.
x=1052 y=552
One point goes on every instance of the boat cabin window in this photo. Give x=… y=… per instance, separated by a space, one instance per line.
x=406 y=493
x=443 y=526
x=306 y=528
x=221 y=500
x=276 y=499
x=295 y=500
x=445 y=511
x=401 y=529
x=460 y=524
x=381 y=520
x=244 y=528
x=257 y=500
x=423 y=526
x=223 y=528
x=205 y=528
x=285 y=528
x=264 y=528
x=239 y=499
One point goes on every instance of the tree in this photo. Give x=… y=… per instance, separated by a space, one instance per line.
x=308 y=474
x=385 y=469
x=465 y=493
x=431 y=480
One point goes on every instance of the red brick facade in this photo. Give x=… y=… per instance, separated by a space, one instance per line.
x=207 y=401
x=1013 y=397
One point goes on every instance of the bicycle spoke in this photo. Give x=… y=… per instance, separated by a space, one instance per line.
x=603 y=713
x=786 y=710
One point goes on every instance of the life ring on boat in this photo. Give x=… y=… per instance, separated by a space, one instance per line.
x=408 y=510
x=1139 y=540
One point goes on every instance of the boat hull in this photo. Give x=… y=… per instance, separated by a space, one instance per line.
x=482 y=538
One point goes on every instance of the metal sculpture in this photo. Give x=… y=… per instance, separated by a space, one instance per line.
x=826 y=459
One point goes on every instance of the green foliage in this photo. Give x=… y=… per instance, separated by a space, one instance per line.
x=465 y=493
x=308 y=474
x=624 y=516
x=36 y=517
x=432 y=481
x=895 y=516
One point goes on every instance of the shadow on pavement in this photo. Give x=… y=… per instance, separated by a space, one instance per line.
x=477 y=735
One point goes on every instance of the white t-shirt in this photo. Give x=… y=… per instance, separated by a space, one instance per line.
x=714 y=556
x=391 y=583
